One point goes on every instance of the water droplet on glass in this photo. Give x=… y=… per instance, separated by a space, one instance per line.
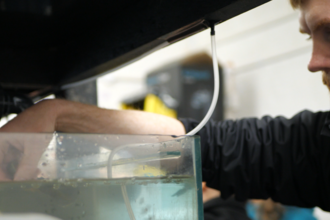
x=62 y=149
x=80 y=165
x=56 y=186
x=74 y=184
x=44 y=164
x=117 y=137
x=105 y=182
x=66 y=183
x=35 y=185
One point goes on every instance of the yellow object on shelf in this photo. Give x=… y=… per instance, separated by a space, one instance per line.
x=155 y=105
x=151 y=103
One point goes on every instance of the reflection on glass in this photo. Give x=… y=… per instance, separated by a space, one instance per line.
x=97 y=177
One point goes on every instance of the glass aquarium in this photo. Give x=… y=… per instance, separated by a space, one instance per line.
x=100 y=177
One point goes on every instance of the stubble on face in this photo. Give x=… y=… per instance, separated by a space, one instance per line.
x=315 y=21
x=326 y=79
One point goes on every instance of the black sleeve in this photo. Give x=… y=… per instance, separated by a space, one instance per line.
x=229 y=209
x=285 y=159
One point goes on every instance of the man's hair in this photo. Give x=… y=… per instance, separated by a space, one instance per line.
x=296 y=3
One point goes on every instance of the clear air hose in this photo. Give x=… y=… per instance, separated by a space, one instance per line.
x=123 y=186
x=216 y=86
x=192 y=132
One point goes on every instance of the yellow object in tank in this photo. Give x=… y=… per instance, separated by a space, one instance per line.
x=148 y=171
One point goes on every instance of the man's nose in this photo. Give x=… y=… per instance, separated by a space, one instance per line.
x=320 y=59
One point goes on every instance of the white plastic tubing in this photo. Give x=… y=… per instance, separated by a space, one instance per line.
x=216 y=90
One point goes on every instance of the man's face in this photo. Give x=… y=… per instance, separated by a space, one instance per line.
x=315 y=21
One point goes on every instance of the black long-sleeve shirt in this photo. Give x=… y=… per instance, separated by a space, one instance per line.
x=285 y=159
x=219 y=209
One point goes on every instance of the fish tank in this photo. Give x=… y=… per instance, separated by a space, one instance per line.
x=101 y=176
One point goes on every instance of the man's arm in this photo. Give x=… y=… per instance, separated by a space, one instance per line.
x=285 y=159
x=67 y=116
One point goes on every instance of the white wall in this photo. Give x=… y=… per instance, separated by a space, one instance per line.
x=265 y=58
x=268 y=63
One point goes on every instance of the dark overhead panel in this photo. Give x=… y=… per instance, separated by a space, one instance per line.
x=45 y=44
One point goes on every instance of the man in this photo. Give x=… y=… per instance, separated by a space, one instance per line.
x=285 y=159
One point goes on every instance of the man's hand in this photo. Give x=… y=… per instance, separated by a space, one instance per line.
x=209 y=193
x=19 y=151
x=20 y=154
